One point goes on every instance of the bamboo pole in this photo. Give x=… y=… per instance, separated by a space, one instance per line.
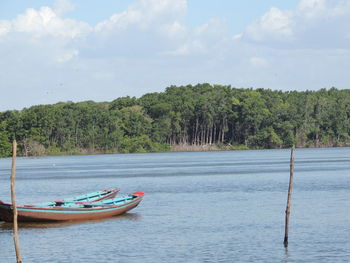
x=290 y=188
x=14 y=207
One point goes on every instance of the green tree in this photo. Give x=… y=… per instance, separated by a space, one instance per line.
x=5 y=144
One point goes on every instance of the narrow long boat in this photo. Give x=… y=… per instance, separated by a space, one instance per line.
x=73 y=211
x=89 y=197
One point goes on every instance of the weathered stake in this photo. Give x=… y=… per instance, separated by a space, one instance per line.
x=14 y=207
x=290 y=188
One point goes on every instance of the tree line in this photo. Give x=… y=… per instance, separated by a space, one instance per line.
x=197 y=115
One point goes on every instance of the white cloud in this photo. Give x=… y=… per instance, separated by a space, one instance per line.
x=67 y=56
x=144 y=14
x=313 y=24
x=258 y=62
x=5 y=27
x=44 y=22
x=149 y=46
x=312 y=7
x=147 y=28
x=237 y=36
x=62 y=7
x=175 y=30
x=275 y=24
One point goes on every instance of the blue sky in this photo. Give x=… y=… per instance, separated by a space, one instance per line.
x=61 y=50
x=238 y=13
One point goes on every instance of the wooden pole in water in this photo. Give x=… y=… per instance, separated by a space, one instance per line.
x=290 y=188
x=14 y=207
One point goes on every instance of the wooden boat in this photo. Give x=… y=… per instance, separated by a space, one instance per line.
x=89 y=197
x=72 y=211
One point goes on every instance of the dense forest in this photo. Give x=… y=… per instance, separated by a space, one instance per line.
x=196 y=116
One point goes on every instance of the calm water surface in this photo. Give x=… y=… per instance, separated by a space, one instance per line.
x=198 y=207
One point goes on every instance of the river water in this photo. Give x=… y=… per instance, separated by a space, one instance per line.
x=198 y=207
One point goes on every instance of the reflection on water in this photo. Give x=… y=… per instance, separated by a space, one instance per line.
x=29 y=225
x=287 y=256
x=198 y=207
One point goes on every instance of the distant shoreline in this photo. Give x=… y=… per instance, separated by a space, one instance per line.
x=188 y=118
x=177 y=148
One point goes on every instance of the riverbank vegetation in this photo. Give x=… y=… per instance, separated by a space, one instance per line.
x=183 y=118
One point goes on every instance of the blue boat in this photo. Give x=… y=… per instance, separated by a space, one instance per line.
x=85 y=198
x=89 y=197
x=70 y=211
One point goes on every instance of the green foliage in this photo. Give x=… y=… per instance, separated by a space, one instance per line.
x=239 y=147
x=142 y=144
x=134 y=121
x=123 y=102
x=266 y=138
x=33 y=148
x=5 y=145
x=200 y=115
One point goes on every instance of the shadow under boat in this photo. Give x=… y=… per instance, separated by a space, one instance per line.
x=59 y=224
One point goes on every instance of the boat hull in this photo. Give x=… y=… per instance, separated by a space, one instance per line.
x=87 y=198
x=38 y=214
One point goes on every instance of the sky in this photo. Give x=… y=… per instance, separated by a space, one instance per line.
x=76 y=50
